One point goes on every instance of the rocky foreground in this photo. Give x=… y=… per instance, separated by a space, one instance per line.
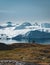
x=13 y=62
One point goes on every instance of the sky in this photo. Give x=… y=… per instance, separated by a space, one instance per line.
x=18 y=11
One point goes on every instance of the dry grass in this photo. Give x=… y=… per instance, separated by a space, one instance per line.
x=28 y=52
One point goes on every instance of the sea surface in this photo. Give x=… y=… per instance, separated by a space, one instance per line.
x=38 y=41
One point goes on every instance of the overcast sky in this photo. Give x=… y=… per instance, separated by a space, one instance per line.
x=24 y=10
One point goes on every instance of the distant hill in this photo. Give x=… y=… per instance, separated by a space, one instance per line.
x=46 y=25
x=30 y=35
x=37 y=34
x=4 y=46
x=1 y=27
x=36 y=24
x=18 y=37
x=9 y=24
x=23 y=25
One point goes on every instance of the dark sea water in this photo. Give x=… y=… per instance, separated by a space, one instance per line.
x=38 y=41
